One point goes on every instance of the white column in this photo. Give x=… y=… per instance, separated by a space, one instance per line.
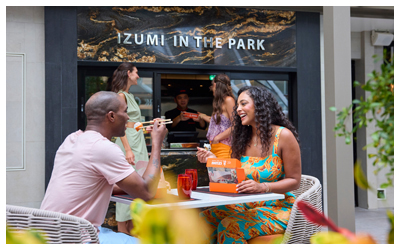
x=338 y=86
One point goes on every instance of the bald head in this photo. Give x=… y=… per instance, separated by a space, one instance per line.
x=100 y=104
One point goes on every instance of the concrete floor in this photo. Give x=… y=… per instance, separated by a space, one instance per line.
x=374 y=222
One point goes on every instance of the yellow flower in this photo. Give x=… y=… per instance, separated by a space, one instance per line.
x=330 y=237
x=162 y=225
x=24 y=237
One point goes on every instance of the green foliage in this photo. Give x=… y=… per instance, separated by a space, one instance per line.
x=391 y=232
x=379 y=106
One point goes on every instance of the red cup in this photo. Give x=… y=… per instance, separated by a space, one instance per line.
x=184 y=186
x=193 y=174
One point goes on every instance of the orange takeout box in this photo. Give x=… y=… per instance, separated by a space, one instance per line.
x=190 y=115
x=226 y=163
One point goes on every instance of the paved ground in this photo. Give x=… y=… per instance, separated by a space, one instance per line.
x=374 y=222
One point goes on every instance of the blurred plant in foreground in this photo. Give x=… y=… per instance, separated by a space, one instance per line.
x=338 y=235
x=24 y=237
x=167 y=225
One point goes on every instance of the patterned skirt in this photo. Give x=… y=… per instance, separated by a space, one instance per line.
x=238 y=223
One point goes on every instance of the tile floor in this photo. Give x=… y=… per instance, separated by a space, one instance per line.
x=374 y=222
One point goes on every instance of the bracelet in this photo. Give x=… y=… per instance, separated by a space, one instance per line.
x=267 y=188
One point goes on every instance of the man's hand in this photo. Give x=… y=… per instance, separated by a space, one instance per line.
x=158 y=131
x=182 y=117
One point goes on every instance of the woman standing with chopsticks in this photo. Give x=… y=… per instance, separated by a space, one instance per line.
x=133 y=144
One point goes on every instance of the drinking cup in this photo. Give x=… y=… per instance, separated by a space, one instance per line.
x=184 y=186
x=193 y=174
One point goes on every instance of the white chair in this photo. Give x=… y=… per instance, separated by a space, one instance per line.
x=57 y=227
x=299 y=229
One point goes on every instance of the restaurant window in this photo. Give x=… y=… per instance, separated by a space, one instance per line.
x=278 y=88
x=278 y=85
x=94 y=80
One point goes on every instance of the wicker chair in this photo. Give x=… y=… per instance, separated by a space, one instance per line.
x=299 y=230
x=57 y=227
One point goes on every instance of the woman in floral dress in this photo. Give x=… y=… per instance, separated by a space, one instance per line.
x=267 y=145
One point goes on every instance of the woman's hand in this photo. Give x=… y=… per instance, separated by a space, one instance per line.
x=130 y=157
x=198 y=119
x=250 y=186
x=204 y=117
x=216 y=140
x=203 y=155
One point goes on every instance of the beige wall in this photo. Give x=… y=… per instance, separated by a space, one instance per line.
x=25 y=106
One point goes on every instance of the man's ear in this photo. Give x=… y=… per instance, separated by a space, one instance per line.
x=111 y=116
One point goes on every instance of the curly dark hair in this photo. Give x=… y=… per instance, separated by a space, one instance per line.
x=267 y=113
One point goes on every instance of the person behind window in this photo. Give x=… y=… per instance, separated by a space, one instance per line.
x=177 y=115
x=219 y=130
x=267 y=145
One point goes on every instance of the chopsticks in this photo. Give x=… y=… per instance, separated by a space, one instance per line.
x=168 y=122
x=139 y=125
x=165 y=120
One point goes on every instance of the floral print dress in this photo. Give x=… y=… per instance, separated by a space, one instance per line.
x=238 y=223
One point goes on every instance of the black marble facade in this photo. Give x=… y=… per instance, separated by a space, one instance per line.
x=175 y=163
x=98 y=39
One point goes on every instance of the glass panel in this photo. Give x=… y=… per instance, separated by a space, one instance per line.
x=143 y=93
x=94 y=84
x=277 y=87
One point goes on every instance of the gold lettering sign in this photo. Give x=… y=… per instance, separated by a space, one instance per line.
x=187 y=35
